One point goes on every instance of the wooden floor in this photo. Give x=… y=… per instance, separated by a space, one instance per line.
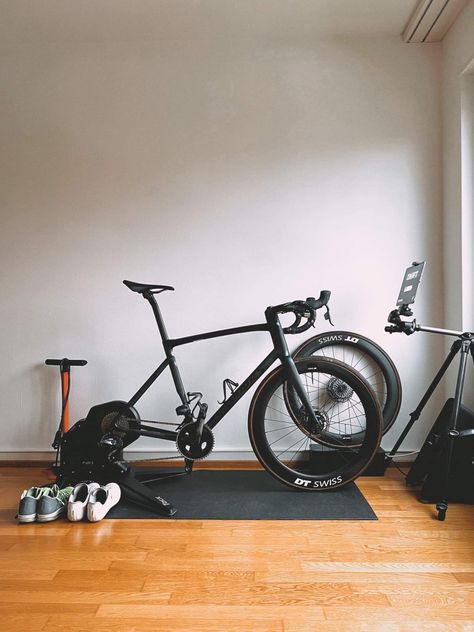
x=406 y=571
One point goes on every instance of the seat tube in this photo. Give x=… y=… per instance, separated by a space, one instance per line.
x=178 y=382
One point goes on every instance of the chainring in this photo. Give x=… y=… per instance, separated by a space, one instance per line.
x=190 y=446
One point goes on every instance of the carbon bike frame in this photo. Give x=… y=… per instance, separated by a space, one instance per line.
x=280 y=351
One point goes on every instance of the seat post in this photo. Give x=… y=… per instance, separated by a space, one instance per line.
x=158 y=317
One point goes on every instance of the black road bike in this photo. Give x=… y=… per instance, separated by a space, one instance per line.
x=314 y=424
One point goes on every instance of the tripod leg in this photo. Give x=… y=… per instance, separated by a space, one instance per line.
x=442 y=505
x=417 y=412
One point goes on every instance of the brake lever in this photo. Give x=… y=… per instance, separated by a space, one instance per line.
x=327 y=315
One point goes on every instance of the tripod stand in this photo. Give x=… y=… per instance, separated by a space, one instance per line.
x=463 y=345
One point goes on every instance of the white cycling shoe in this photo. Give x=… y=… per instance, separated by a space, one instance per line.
x=102 y=500
x=77 y=503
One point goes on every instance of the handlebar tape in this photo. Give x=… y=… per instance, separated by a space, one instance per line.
x=291 y=329
x=307 y=325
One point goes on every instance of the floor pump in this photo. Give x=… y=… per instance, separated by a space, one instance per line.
x=64 y=365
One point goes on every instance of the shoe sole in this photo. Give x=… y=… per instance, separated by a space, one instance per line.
x=27 y=518
x=95 y=518
x=51 y=516
x=76 y=518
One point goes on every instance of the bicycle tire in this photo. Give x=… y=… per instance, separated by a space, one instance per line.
x=366 y=357
x=317 y=468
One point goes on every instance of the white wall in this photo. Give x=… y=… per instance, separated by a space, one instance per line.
x=457 y=54
x=467 y=192
x=243 y=173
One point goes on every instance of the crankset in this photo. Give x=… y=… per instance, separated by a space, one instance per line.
x=192 y=444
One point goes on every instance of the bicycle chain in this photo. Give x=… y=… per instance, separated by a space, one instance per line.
x=168 y=458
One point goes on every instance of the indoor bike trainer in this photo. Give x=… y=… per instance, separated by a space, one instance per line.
x=462 y=346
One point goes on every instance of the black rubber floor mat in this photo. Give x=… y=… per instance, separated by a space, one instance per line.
x=248 y=495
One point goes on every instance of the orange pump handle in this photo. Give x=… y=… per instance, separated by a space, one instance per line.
x=65 y=387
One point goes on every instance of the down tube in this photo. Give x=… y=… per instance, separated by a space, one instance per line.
x=243 y=388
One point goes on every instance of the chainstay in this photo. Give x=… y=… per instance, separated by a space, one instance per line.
x=162 y=458
x=151 y=421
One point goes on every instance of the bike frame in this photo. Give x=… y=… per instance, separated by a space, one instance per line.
x=279 y=352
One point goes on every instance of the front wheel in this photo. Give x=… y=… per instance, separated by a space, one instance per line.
x=298 y=454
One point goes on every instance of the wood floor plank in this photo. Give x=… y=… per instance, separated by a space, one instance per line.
x=464 y=578
x=66 y=559
x=119 y=544
x=33 y=574
x=399 y=614
x=236 y=613
x=391 y=567
x=73 y=598
x=185 y=623
x=304 y=576
x=24 y=621
x=47 y=607
x=282 y=594
x=428 y=625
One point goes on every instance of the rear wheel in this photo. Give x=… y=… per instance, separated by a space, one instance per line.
x=313 y=458
x=368 y=359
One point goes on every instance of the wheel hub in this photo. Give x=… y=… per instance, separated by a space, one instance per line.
x=307 y=425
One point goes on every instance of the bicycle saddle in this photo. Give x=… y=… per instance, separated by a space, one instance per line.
x=145 y=287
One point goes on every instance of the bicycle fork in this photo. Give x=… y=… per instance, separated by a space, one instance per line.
x=293 y=376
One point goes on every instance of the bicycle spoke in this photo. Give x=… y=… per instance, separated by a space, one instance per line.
x=291 y=446
x=287 y=434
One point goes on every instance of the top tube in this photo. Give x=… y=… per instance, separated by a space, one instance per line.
x=176 y=342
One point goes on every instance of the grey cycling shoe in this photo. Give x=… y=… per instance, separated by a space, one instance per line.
x=27 y=509
x=51 y=507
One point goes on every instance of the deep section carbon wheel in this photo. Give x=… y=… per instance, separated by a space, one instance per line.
x=368 y=359
x=319 y=456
